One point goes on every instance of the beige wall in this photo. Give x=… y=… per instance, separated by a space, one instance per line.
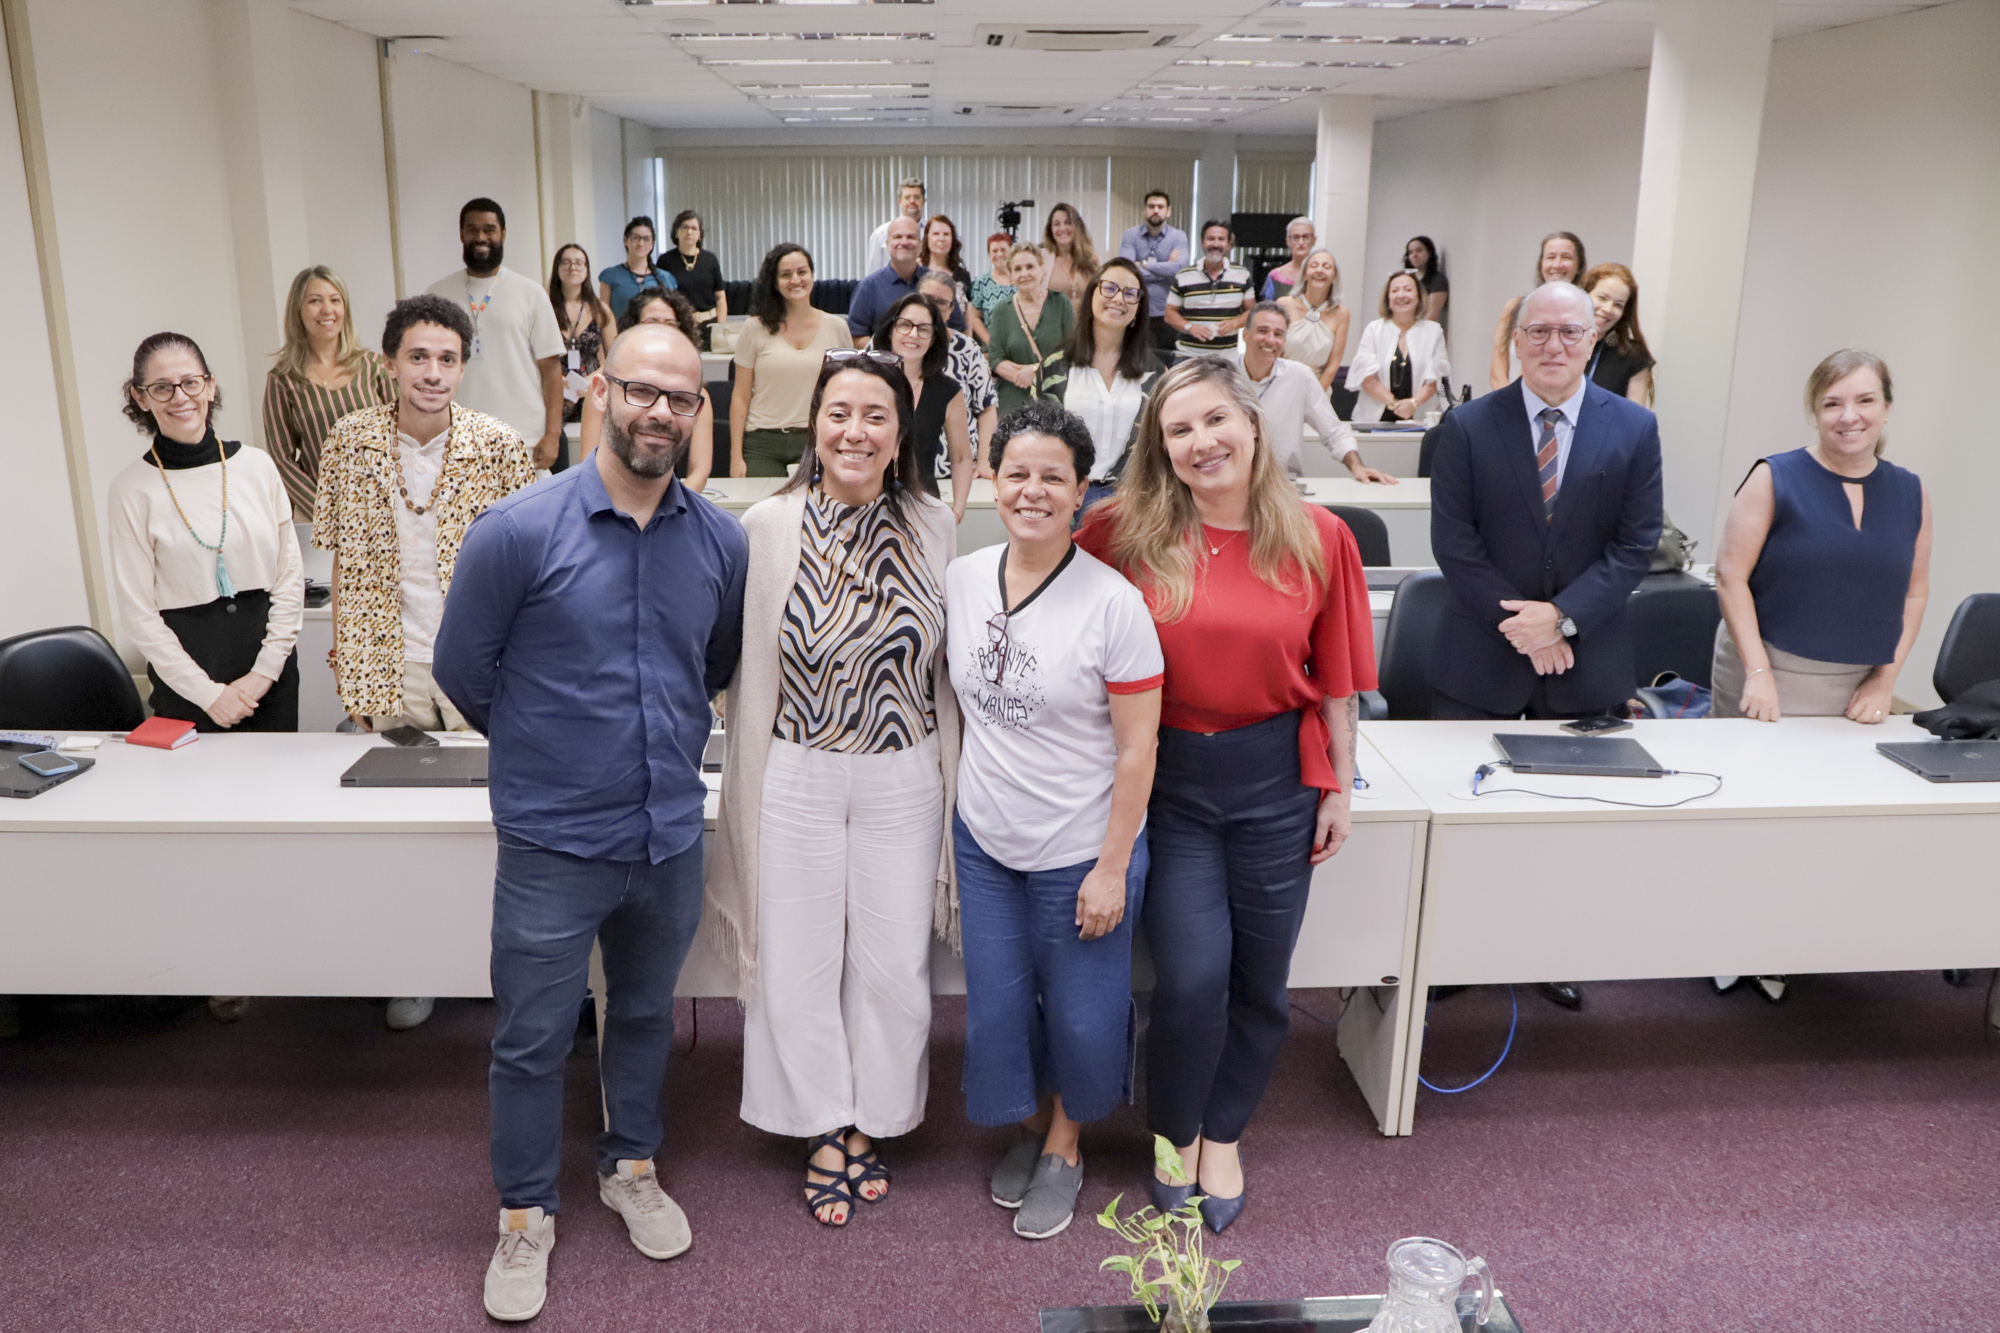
x=345 y=183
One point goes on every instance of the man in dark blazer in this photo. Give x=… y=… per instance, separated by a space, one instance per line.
x=1545 y=510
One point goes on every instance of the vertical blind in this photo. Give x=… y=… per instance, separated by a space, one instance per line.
x=1267 y=184
x=831 y=203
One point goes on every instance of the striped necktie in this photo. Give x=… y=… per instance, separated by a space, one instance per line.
x=1545 y=460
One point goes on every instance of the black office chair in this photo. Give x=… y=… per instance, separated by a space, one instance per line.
x=1408 y=642
x=1371 y=534
x=1970 y=652
x=719 y=392
x=1427 y=450
x=1343 y=398
x=1673 y=629
x=68 y=679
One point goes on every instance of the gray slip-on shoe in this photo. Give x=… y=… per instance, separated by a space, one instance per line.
x=1051 y=1198
x=1016 y=1169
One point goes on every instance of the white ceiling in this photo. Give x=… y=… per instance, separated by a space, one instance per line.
x=627 y=60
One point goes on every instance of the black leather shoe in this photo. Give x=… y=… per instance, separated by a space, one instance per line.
x=1568 y=994
x=1957 y=976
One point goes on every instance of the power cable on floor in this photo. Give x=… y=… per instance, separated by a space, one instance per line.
x=1512 y=1023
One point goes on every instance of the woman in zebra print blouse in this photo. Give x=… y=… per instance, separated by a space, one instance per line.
x=831 y=866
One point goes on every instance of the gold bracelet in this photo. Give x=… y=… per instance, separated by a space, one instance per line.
x=1746 y=679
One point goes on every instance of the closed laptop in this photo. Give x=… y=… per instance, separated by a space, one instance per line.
x=1947 y=761
x=426 y=766
x=20 y=782
x=1590 y=756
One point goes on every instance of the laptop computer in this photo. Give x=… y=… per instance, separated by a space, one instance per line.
x=1947 y=761
x=1589 y=756
x=19 y=782
x=426 y=766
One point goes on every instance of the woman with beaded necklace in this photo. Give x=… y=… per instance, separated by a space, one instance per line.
x=205 y=562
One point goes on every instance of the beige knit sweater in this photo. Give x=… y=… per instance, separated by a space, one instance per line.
x=730 y=915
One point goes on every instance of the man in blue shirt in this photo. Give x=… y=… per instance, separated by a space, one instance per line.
x=874 y=294
x=591 y=620
x=1160 y=251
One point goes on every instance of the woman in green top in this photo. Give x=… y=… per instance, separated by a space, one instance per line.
x=1026 y=327
x=320 y=375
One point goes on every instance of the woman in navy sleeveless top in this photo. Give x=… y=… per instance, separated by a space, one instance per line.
x=1825 y=563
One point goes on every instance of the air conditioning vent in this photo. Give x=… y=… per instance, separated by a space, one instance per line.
x=1013 y=110
x=1045 y=37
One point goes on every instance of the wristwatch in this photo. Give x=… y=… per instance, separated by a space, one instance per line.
x=1566 y=626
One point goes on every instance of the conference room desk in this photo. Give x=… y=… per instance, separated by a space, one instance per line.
x=1405 y=509
x=1817 y=855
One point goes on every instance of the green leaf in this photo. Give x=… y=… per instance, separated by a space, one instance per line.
x=1167 y=1159
x=1231 y=1265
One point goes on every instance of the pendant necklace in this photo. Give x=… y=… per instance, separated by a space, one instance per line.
x=223 y=587
x=1215 y=548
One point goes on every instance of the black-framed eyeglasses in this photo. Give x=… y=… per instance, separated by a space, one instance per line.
x=1539 y=334
x=1111 y=291
x=681 y=402
x=842 y=355
x=163 y=391
x=997 y=645
x=910 y=328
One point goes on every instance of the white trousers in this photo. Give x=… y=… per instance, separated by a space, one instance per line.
x=838 y=1028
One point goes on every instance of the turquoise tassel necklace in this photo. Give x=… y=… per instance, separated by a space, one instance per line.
x=223 y=586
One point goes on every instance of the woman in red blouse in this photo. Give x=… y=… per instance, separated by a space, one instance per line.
x=1263 y=619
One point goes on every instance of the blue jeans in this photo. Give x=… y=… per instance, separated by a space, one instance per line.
x=1231 y=827
x=1044 y=1010
x=548 y=907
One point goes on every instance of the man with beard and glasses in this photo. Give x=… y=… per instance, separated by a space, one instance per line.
x=513 y=365
x=593 y=619
x=398 y=487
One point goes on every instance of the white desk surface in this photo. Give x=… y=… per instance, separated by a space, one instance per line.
x=1388 y=796
x=273 y=783
x=1804 y=766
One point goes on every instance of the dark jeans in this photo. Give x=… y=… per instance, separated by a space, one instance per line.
x=1231 y=829
x=1166 y=340
x=548 y=907
x=1044 y=1010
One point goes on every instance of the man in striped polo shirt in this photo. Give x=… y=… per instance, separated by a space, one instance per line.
x=1209 y=302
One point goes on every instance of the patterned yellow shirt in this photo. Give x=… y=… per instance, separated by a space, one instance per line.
x=485 y=461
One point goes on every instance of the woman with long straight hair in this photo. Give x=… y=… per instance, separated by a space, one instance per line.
x=1420 y=256
x=1105 y=369
x=320 y=375
x=1560 y=259
x=914 y=330
x=1263 y=619
x=1622 y=362
x=941 y=253
x=779 y=352
x=587 y=326
x=1072 y=257
x=831 y=868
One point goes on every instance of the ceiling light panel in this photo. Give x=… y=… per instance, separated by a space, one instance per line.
x=1321 y=39
x=691 y=4
x=1543 y=6
x=814 y=62
x=1215 y=62
x=715 y=38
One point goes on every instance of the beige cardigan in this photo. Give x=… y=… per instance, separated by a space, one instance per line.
x=730 y=916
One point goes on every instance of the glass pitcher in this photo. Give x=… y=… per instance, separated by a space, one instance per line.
x=1425 y=1277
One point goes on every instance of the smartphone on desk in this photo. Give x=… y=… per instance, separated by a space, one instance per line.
x=407 y=735
x=1596 y=726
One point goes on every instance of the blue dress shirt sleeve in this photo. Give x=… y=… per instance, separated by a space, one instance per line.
x=488 y=585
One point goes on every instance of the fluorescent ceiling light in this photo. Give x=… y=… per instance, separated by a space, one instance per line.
x=1321 y=39
x=839 y=97
x=719 y=37
x=809 y=89
x=640 y=4
x=817 y=62
x=1221 y=89
x=1557 y=6
x=1214 y=62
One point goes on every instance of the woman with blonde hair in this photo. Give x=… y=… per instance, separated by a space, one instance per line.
x=1263 y=620
x=320 y=375
x=1072 y=258
x=1400 y=359
x=1560 y=259
x=1317 y=335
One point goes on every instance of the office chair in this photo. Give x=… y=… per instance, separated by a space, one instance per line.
x=1970 y=652
x=1673 y=629
x=1371 y=534
x=68 y=679
x=719 y=394
x=1407 y=642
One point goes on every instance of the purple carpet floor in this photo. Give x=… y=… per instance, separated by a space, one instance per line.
x=1665 y=1160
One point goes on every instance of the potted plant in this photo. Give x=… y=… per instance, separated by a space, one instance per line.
x=1170 y=1270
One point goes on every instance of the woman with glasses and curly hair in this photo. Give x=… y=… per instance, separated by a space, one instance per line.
x=831 y=867
x=1263 y=618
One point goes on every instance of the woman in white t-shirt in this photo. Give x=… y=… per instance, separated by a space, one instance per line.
x=1057 y=668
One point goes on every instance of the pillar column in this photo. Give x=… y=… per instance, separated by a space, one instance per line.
x=1216 y=197
x=1343 y=156
x=1697 y=172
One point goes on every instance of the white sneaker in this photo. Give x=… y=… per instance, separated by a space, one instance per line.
x=408 y=1013
x=517 y=1281
x=658 y=1227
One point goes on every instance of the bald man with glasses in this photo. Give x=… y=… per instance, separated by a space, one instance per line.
x=1545 y=511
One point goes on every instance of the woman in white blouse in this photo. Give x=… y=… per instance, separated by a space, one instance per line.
x=204 y=558
x=1401 y=359
x=1105 y=369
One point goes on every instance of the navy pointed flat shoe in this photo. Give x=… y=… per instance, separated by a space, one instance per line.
x=1219 y=1213
x=1168 y=1198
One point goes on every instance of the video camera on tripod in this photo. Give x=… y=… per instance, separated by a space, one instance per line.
x=1009 y=215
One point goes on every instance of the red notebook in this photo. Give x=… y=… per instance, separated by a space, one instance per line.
x=162 y=733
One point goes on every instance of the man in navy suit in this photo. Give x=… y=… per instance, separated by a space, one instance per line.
x=1545 y=510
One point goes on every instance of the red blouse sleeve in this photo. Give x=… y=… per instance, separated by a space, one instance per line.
x=1343 y=634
